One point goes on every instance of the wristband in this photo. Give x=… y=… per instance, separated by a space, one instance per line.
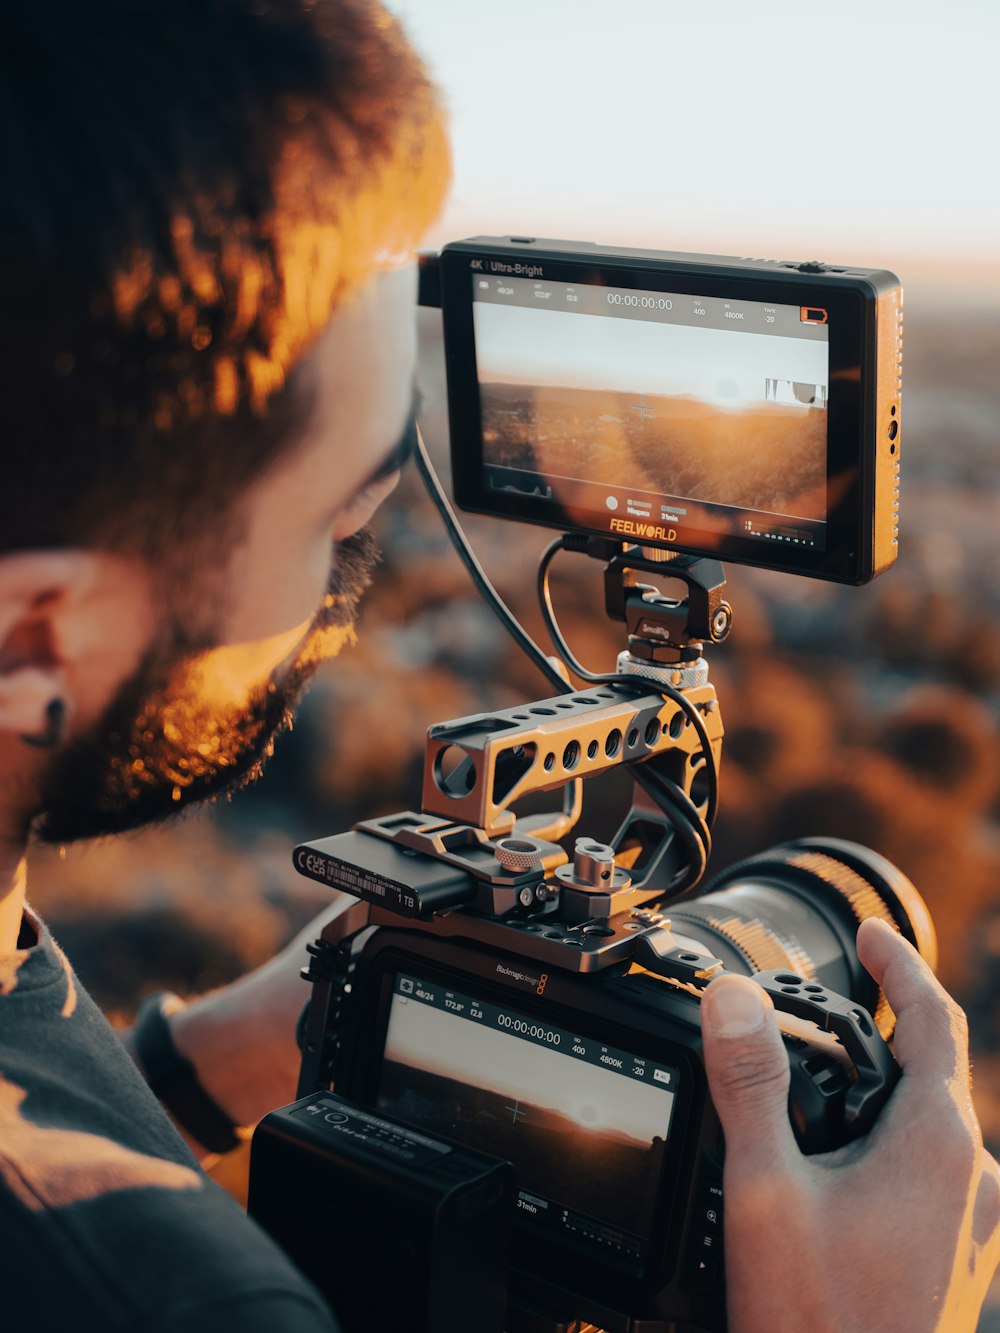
x=174 y=1078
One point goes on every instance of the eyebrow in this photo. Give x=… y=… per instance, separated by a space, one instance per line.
x=402 y=451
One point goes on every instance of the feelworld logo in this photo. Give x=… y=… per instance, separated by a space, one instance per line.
x=650 y=530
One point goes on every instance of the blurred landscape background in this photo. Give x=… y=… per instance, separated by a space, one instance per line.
x=871 y=714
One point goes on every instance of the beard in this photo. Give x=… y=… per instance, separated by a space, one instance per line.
x=162 y=745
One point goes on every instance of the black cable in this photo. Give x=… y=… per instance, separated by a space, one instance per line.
x=478 y=575
x=548 y=612
x=679 y=800
x=572 y=793
x=693 y=833
x=618 y=678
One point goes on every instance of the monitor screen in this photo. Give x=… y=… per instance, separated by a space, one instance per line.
x=636 y=410
x=584 y=1124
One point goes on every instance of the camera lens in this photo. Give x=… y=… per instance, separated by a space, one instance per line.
x=798 y=907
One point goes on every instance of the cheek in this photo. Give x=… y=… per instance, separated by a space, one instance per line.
x=226 y=677
x=270 y=627
x=361 y=511
x=277 y=587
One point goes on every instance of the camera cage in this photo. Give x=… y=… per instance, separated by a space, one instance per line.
x=462 y=885
x=659 y=716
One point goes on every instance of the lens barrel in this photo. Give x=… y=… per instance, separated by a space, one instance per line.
x=798 y=907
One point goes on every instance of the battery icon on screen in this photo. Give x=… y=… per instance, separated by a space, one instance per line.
x=812 y=314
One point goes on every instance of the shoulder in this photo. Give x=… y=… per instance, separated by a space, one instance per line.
x=113 y=1248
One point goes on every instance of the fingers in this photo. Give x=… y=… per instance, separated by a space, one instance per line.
x=747 y=1073
x=932 y=1039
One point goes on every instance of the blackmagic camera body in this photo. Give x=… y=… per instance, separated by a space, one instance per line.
x=502 y=1046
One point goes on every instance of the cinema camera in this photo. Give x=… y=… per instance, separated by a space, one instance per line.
x=503 y=1117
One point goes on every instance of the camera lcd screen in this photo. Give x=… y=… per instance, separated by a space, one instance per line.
x=656 y=414
x=584 y=1124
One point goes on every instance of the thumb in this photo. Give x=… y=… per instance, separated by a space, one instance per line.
x=747 y=1069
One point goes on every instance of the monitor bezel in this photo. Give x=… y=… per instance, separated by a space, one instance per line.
x=848 y=553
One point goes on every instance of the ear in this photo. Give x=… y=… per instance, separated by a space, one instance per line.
x=73 y=623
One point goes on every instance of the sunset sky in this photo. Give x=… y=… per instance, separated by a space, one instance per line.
x=860 y=133
x=523 y=346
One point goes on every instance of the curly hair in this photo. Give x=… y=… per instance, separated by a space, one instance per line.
x=190 y=189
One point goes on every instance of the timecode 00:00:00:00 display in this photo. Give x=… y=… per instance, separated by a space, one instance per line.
x=642 y=302
x=529 y=1029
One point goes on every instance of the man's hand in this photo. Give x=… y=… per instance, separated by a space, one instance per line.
x=241 y=1038
x=898 y=1232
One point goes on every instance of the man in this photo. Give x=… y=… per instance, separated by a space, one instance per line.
x=207 y=217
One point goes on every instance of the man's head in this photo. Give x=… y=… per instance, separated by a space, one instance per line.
x=203 y=241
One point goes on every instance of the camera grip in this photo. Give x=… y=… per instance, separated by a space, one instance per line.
x=876 y=1068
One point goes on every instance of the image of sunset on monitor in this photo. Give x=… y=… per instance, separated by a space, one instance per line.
x=716 y=415
x=578 y=1133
